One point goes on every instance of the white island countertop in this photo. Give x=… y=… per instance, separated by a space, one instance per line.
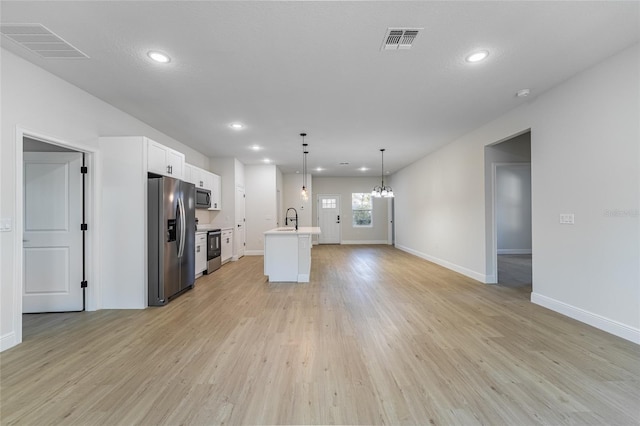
x=287 y=253
x=308 y=230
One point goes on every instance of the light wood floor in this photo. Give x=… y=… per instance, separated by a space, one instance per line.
x=378 y=337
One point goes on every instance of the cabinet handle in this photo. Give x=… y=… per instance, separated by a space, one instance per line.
x=169 y=169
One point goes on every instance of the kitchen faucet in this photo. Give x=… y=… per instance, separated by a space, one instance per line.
x=287 y=218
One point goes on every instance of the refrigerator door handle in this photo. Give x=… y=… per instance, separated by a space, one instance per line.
x=183 y=226
x=178 y=233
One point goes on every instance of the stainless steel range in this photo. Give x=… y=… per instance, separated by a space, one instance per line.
x=214 y=250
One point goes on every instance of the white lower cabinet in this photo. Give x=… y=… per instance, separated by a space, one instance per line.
x=227 y=245
x=201 y=252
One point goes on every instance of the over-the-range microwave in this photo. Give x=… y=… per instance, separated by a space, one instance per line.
x=203 y=198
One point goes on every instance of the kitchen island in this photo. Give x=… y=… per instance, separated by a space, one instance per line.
x=287 y=254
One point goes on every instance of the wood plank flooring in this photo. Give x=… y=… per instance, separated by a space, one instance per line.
x=377 y=337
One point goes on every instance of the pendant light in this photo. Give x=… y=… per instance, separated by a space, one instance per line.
x=304 y=194
x=382 y=191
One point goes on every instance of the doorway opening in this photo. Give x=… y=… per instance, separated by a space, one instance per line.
x=509 y=260
x=54 y=205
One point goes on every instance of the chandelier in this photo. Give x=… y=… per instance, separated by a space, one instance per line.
x=304 y=194
x=382 y=191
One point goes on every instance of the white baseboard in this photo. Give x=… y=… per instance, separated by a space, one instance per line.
x=514 y=251
x=351 y=242
x=303 y=278
x=254 y=252
x=598 y=321
x=491 y=279
x=457 y=268
x=8 y=341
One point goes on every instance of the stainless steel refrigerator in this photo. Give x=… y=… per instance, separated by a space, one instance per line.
x=171 y=235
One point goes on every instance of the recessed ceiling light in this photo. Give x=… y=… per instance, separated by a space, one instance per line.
x=159 y=57
x=266 y=160
x=363 y=169
x=256 y=147
x=236 y=126
x=477 y=56
x=319 y=169
x=523 y=93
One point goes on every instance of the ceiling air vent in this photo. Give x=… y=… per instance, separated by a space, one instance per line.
x=38 y=39
x=399 y=38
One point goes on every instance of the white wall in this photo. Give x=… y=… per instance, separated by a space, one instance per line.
x=280 y=190
x=226 y=169
x=40 y=102
x=585 y=160
x=345 y=186
x=292 y=184
x=261 y=208
x=513 y=209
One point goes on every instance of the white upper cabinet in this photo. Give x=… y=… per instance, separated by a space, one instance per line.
x=164 y=160
x=190 y=173
x=216 y=193
x=206 y=180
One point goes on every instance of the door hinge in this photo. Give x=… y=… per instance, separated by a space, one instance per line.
x=84 y=170
x=83 y=227
x=83 y=284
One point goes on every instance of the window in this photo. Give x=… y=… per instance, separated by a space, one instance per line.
x=362 y=213
x=328 y=203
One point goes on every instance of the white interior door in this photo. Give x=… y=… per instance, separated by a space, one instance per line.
x=329 y=219
x=52 y=240
x=240 y=222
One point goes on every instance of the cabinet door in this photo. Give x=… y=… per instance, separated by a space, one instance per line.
x=207 y=179
x=175 y=163
x=164 y=161
x=201 y=252
x=216 y=196
x=198 y=181
x=189 y=173
x=227 y=245
x=157 y=158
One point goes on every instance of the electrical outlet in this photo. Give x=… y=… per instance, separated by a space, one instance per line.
x=567 y=218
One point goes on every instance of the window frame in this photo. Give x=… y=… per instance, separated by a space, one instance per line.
x=370 y=210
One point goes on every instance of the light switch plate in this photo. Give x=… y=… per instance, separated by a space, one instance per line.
x=567 y=218
x=5 y=224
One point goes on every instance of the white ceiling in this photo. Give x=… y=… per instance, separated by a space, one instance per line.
x=286 y=67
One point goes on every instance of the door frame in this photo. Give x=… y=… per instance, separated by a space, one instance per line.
x=318 y=205
x=91 y=199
